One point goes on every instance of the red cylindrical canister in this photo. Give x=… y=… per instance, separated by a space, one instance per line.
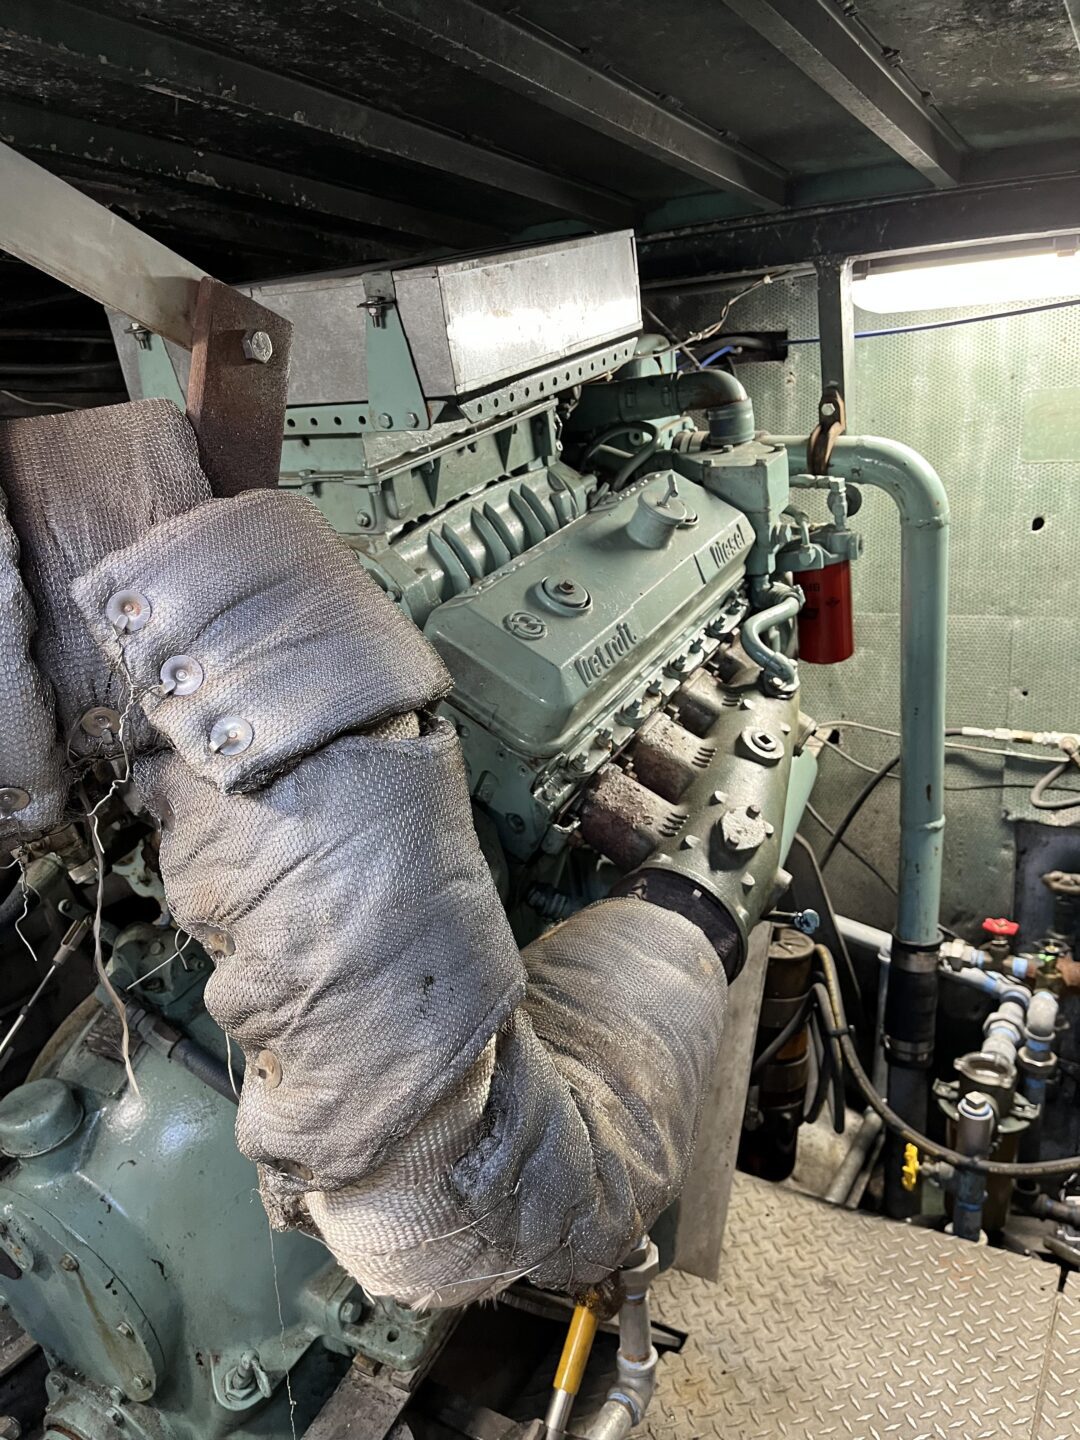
x=826 y=621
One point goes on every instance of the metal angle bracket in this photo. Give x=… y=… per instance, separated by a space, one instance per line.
x=237 y=388
x=396 y=399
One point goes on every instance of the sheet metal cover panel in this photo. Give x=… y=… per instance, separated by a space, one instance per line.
x=472 y=322
x=844 y=1326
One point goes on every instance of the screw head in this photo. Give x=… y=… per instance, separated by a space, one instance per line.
x=257 y=346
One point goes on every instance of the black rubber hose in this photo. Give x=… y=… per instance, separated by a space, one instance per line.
x=1038 y=791
x=836 y=1056
x=152 y=1027
x=788 y=1033
x=11 y=906
x=205 y=1067
x=900 y=1127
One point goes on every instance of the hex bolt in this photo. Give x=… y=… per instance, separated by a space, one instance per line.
x=140 y=1384
x=125 y=1330
x=68 y=1262
x=753 y=810
x=257 y=346
x=10 y=1429
x=350 y=1312
x=116 y=1416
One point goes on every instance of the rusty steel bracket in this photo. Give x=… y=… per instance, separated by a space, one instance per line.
x=832 y=422
x=237 y=388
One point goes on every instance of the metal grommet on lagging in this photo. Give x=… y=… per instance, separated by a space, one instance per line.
x=128 y=611
x=13 y=799
x=230 y=735
x=100 y=721
x=181 y=675
x=220 y=944
x=268 y=1069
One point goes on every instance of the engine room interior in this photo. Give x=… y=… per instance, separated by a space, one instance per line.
x=539 y=796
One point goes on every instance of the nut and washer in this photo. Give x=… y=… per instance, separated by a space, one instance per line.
x=257 y=346
x=565 y=593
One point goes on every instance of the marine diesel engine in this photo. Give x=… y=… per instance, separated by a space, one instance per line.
x=599 y=547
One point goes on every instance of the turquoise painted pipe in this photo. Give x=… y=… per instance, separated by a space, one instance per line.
x=920 y=498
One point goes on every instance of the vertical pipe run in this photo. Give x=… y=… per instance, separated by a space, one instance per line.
x=923 y=507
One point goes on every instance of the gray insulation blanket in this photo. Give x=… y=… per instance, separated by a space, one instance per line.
x=448 y=1114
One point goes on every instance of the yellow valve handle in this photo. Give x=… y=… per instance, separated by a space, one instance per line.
x=910 y=1172
x=575 y=1353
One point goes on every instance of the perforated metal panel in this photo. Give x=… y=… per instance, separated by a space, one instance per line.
x=960 y=396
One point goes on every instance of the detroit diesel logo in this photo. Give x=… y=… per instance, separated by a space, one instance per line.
x=608 y=653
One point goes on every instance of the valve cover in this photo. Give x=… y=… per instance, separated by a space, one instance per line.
x=541 y=651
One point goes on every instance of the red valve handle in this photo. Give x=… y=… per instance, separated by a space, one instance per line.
x=1003 y=927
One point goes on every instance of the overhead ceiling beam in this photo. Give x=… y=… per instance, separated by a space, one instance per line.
x=153 y=60
x=534 y=65
x=966 y=215
x=43 y=132
x=813 y=35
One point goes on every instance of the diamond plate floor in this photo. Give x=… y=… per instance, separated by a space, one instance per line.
x=829 y=1325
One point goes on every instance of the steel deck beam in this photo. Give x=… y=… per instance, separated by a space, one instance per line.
x=813 y=35
x=531 y=64
x=46 y=133
x=1041 y=205
x=138 y=55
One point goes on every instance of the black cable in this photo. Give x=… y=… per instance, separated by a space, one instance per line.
x=621 y=428
x=854 y=808
x=626 y=473
x=864 y=795
x=900 y=1127
x=821 y=1086
x=862 y=859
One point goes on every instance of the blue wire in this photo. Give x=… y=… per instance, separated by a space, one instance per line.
x=947 y=324
x=917 y=329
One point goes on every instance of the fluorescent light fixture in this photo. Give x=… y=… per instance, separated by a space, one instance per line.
x=947 y=282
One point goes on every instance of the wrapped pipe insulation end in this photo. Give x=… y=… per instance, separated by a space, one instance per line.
x=827 y=619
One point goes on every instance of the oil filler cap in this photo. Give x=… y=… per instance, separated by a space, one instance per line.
x=38 y=1117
